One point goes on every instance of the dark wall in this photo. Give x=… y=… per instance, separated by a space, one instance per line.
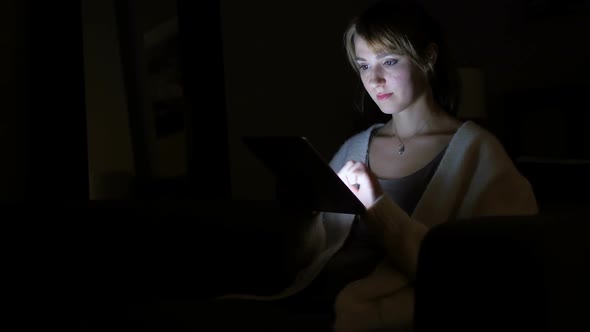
x=43 y=121
x=109 y=146
x=57 y=149
x=532 y=53
x=285 y=72
x=13 y=87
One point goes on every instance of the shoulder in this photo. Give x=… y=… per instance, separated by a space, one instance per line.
x=478 y=152
x=363 y=136
x=474 y=138
x=473 y=129
x=482 y=154
x=495 y=183
x=354 y=147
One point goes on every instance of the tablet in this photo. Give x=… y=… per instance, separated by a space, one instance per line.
x=295 y=162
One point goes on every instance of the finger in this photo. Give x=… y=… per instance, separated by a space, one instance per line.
x=356 y=169
x=348 y=166
x=348 y=177
x=361 y=175
x=358 y=166
x=352 y=178
x=345 y=170
x=367 y=181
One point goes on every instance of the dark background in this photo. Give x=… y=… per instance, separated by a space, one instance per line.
x=73 y=114
x=66 y=119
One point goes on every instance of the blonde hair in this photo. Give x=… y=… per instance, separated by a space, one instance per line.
x=407 y=30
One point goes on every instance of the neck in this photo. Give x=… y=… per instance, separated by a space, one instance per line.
x=409 y=121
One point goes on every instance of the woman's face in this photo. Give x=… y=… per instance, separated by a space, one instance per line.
x=394 y=82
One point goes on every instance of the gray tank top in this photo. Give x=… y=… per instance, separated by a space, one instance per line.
x=360 y=253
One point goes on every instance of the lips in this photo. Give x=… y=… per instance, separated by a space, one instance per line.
x=383 y=96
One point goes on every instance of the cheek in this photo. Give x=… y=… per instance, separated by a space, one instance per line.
x=365 y=82
x=406 y=83
x=400 y=79
x=365 y=79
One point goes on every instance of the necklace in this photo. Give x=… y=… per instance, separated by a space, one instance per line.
x=402 y=146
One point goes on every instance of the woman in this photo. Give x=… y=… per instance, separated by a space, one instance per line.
x=421 y=168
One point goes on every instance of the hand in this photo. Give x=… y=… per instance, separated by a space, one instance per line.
x=361 y=181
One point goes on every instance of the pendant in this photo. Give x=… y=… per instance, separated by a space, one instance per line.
x=401 y=149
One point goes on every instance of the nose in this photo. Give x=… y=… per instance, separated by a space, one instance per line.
x=376 y=79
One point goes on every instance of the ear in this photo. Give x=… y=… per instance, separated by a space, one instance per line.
x=432 y=53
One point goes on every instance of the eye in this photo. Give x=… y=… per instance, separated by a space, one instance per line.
x=363 y=67
x=390 y=62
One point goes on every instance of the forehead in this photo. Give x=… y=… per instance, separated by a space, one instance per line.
x=361 y=46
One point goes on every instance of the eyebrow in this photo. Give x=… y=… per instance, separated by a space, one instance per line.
x=379 y=56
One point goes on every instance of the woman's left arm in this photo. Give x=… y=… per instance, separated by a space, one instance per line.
x=399 y=234
x=489 y=193
x=396 y=231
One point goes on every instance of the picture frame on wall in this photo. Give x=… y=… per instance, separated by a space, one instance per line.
x=165 y=86
x=165 y=78
x=156 y=106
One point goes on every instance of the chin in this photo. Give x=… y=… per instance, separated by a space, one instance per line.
x=390 y=110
